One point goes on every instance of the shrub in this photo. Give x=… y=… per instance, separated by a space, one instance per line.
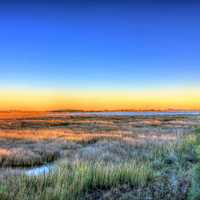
x=194 y=193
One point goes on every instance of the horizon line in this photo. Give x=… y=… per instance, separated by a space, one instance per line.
x=104 y=110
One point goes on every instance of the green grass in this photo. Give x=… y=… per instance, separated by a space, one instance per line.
x=72 y=182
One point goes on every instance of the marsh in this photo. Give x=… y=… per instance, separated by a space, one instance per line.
x=106 y=153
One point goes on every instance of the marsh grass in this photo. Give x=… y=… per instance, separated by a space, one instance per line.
x=36 y=154
x=79 y=179
x=72 y=182
x=28 y=153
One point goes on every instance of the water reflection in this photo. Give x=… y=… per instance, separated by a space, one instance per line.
x=42 y=170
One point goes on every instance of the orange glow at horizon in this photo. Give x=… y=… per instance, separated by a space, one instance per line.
x=99 y=100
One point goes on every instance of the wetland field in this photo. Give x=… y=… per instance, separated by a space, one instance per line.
x=99 y=156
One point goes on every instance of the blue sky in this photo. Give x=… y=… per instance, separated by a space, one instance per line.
x=99 y=46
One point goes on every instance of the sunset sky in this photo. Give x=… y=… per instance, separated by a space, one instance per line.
x=97 y=55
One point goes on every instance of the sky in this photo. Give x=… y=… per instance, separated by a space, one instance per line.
x=97 y=55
